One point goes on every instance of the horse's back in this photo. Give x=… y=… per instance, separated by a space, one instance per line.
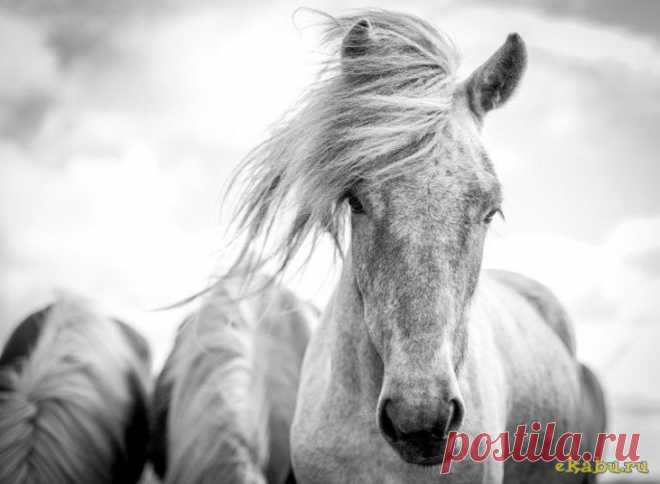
x=543 y=301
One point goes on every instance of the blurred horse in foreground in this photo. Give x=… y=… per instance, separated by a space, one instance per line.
x=73 y=399
x=224 y=401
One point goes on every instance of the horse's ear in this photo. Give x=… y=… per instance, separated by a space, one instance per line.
x=492 y=84
x=357 y=40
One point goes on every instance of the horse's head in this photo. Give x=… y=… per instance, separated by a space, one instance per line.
x=388 y=131
x=416 y=250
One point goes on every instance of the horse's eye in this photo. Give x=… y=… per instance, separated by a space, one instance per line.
x=355 y=204
x=489 y=218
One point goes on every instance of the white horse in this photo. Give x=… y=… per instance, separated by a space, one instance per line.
x=73 y=399
x=416 y=341
x=224 y=401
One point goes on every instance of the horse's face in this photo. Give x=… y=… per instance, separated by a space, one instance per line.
x=417 y=245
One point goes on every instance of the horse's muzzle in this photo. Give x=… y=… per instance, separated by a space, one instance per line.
x=419 y=437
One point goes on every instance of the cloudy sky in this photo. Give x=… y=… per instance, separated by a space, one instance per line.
x=121 y=121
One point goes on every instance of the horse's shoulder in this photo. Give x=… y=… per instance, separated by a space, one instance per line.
x=542 y=300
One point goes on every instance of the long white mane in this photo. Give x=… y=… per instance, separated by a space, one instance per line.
x=64 y=411
x=221 y=392
x=375 y=112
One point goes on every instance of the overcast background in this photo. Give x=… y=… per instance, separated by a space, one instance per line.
x=121 y=121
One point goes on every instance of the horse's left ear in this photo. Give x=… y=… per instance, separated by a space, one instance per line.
x=492 y=84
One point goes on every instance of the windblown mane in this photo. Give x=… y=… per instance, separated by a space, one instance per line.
x=375 y=112
x=67 y=409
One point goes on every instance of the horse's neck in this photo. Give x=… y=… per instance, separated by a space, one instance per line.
x=356 y=366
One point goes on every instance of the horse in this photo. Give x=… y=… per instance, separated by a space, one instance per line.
x=224 y=401
x=384 y=153
x=74 y=387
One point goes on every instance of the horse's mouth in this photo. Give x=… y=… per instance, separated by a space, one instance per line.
x=421 y=452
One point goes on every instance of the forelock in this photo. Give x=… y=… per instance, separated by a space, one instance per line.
x=368 y=118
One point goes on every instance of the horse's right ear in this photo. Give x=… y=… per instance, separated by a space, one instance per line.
x=493 y=83
x=357 y=40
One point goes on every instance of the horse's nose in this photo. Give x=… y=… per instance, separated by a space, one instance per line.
x=401 y=422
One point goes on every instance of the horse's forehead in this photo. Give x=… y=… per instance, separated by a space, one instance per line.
x=459 y=173
x=461 y=152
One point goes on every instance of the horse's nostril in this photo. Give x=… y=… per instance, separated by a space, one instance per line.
x=448 y=421
x=387 y=425
x=455 y=416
